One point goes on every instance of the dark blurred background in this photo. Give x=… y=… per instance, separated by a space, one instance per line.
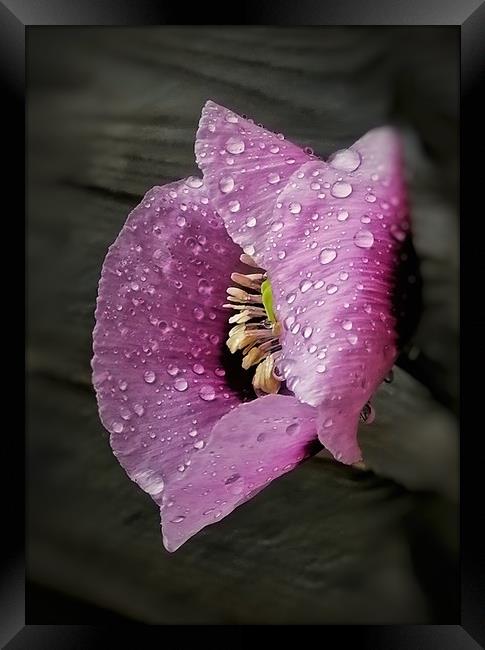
x=112 y=112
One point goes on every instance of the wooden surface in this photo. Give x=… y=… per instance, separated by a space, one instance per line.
x=113 y=111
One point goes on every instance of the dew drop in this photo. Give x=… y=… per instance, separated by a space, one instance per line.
x=149 y=377
x=295 y=207
x=290 y=298
x=226 y=184
x=177 y=520
x=307 y=332
x=341 y=189
x=332 y=288
x=198 y=313
x=274 y=178
x=342 y=215
x=172 y=370
x=347 y=325
x=207 y=393
x=198 y=368
x=199 y=444
x=276 y=226
x=117 y=427
x=370 y=198
x=234 y=206
x=292 y=429
x=364 y=239
x=235 y=145
x=327 y=255
x=346 y=160
x=181 y=384
x=328 y=423
x=305 y=285
x=321 y=368
x=251 y=222
x=195 y=182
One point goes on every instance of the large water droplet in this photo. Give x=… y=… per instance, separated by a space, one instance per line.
x=193 y=181
x=235 y=145
x=295 y=207
x=172 y=370
x=181 y=384
x=234 y=206
x=346 y=160
x=250 y=222
x=226 y=184
x=327 y=255
x=149 y=377
x=292 y=429
x=305 y=285
x=341 y=189
x=307 y=332
x=207 y=393
x=198 y=313
x=364 y=239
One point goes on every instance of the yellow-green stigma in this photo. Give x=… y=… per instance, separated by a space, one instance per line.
x=256 y=329
x=267 y=296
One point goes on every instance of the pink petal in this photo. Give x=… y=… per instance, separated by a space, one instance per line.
x=244 y=166
x=334 y=288
x=159 y=333
x=247 y=449
x=330 y=238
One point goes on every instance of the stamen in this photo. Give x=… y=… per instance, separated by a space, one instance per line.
x=256 y=331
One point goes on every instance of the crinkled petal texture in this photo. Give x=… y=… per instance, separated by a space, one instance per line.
x=245 y=167
x=331 y=243
x=158 y=372
x=248 y=448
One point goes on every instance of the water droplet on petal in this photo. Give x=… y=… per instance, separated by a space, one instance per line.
x=273 y=177
x=341 y=189
x=181 y=384
x=370 y=198
x=321 y=368
x=226 y=184
x=177 y=520
x=172 y=370
x=305 y=285
x=207 y=393
x=364 y=239
x=327 y=255
x=328 y=423
x=250 y=222
x=346 y=160
x=277 y=225
x=332 y=288
x=195 y=182
x=294 y=207
x=234 y=206
x=292 y=429
x=117 y=427
x=307 y=332
x=290 y=298
x=149 y=377
x=235 y=145
x=347 y=325
x=342 y=215
x=198 y=368
x=198 y=313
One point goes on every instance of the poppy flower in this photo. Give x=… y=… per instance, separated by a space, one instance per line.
x=207 y=406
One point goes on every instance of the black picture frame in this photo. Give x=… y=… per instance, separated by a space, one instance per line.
x=16 y=17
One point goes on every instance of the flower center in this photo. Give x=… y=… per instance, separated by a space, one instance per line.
x=256 y=329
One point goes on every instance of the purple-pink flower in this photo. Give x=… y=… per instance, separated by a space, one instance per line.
x=325 y=238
